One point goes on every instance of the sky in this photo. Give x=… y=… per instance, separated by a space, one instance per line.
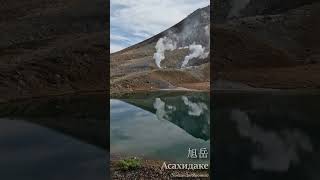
x=132 y=21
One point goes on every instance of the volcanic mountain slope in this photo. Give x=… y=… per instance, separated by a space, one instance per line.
x=277 y=46
x=51 y=47
x=225 y=10
x=134 y=68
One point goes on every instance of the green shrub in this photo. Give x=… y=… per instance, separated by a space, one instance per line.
x=129 y=164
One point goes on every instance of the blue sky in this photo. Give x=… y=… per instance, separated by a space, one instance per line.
x=132 y=21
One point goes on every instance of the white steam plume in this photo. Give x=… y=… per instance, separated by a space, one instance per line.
x=196 y=51
x=207 y=31
x=194 y=30
x=162 y=45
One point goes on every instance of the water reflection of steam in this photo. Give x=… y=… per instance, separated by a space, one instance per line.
x=279 y=149
x=192 y=116
x=195 y=109
x=139 y=132
x=161 y=112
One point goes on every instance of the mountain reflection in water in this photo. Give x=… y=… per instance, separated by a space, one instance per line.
x=266 y=136
x=160 y=125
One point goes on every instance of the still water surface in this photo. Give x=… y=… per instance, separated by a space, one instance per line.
x=267 y=135
x=255 y=135
x=55 y=138
x=161 y=125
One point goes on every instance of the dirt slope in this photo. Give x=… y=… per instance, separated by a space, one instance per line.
x=270 y=51
x=52 y=47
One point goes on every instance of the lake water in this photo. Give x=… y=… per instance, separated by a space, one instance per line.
x=266 y=136
x=56 y=138
x=160 y=125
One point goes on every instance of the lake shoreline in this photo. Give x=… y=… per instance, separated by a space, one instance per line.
x=151 y=169
x=79 y=93
x=116 y=95
x=176 y=90
x=173 y=120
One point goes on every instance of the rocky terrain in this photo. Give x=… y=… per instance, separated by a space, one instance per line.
x=151 y=169
x=134 y=68
x=52 y=47
x=254 y=44
x=267 y=44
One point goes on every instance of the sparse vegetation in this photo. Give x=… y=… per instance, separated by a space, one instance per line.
x=129 y=164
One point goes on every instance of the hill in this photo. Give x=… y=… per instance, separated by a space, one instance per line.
x=136 y=68
x=270 y=49
x=51 y=47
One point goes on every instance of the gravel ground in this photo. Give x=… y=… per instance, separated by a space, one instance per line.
x=151 y=169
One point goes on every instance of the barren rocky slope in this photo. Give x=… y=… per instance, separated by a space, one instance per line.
x=232 y=9
x=52 y=47
x=135 y=69
x=265 y=44
x=270 y=50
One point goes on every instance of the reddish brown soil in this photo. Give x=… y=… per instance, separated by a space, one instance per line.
x=203 y=86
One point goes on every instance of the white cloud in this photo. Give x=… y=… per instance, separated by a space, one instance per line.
x=145 y=18
x=116 y=37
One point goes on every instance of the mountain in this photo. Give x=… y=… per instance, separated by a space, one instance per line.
x=51 y=47
x=256 y=44
x=228 y=9
x=267 y=44
x=135 y=68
